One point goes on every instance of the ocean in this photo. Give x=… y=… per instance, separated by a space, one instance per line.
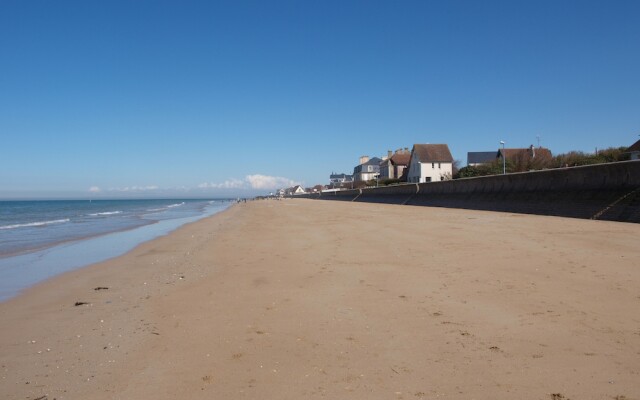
x=40 y=239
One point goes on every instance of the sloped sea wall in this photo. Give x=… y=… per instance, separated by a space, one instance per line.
x=604 y=191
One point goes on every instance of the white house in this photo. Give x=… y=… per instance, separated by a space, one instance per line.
x=430 y=163
x=634 y=151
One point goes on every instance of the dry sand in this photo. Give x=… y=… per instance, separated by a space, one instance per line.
x=303 y=299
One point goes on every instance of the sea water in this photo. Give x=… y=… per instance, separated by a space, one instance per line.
x=40 y=239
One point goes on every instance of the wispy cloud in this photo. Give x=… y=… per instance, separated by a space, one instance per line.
x=268 y=182
x=250 y=182
x=228 y=184
x=134 y=188
x=257 y=181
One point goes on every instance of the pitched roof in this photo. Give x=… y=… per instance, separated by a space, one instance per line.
x=526 y=152
x=432 y=153
x=634 y=147
x=400 y=158
x=511 y=153
x=373 y=161
x=480 y=157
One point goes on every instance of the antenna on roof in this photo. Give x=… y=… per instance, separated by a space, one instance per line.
x=538 y=137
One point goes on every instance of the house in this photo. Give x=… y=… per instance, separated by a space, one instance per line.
x=339 y=179
x=634 y=151
x=393 y=166
x=430 y=163
x=367 y=169
x=475 y=158
x=527 y=158
x=297 y=190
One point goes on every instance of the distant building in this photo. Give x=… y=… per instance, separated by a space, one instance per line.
x=634 y=151
x=393 y=166
x=430 y=163
x=525 y=159
x=475 y=158
x=297 y=190
x=339 y=179
x=367 y=169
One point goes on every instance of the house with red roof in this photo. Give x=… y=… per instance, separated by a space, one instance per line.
x=525 y=159
x=393 y=166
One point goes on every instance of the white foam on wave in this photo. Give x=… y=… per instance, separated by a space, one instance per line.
x=165 y=208
x=32 y=224
x=105 y=213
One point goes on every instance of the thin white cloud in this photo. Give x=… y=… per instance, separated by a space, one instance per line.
x=134 y=188
x=250 y=182
x=228 y=184
x=257 y=181
x=268 y=182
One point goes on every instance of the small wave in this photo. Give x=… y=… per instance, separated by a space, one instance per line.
x=165 y=208
x=105 y=213
x=39 y=223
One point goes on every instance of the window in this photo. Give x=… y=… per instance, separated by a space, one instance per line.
x=439 y=165
x=433 y=165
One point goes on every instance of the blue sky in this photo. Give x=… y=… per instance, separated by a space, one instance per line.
x=210 y=98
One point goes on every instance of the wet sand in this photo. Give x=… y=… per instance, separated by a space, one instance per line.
x=318 y=299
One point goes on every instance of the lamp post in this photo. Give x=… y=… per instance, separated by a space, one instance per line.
x=504 y=159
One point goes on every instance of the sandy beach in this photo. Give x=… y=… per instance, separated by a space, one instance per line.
x=304 y=299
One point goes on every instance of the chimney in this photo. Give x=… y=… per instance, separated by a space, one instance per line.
x=389 y=153
x=533 y=151
x=364 y=159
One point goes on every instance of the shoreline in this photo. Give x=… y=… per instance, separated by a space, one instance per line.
x=279 y=300
x=143 y=219
x=20 y=271
x=62 y=242
x=45 y=323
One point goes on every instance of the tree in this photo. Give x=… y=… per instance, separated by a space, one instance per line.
x=492 y=168
x=577 y=158
x=388 y=181
x=455 y=167
x=359 y=184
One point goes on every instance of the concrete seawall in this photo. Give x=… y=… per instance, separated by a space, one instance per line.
x=604 y=191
